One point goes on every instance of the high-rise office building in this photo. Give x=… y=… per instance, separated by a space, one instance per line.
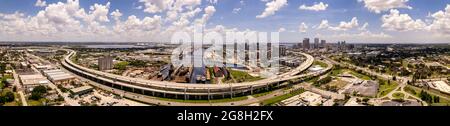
x=323 y=43
x=105 y=63
x=306 y=45
x=247 y=53
x=341 y=45
x=283 y=50
x=257 y=54
x=269 y=51
x=224 y=54
x=316 y=43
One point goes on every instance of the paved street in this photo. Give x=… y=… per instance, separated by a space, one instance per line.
x=19 y=88
x=402 y=81
x=67 y=99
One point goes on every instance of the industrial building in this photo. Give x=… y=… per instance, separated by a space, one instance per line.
x=58 y=76
x=440 y=85
x=33 y=80
x=81 y=90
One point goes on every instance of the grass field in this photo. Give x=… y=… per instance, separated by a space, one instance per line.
x=385 y=88
x=3 y=78
x=261 y=94
x=336 y=72
x=39 y=102
x=240 y=76
x=14 y=103
x=34 y=103
x=359 y=75
x=280 y=98
x=398 y=95
x=416 y=92
x=411 y=90
x=321 y=64
x=338 y=83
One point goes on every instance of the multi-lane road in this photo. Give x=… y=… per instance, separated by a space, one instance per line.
x=19 y=89
x=183 y=88
x=157 y=101
x=401 y=80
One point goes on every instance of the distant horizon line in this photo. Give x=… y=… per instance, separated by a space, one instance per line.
x=418 y=43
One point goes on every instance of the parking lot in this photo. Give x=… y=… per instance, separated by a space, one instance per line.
x=102 y=98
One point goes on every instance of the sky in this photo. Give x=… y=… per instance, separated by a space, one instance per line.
x=354 y=21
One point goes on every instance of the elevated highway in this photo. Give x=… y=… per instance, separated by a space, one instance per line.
x=186 y=90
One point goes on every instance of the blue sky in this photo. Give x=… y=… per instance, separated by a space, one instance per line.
x=406 y=21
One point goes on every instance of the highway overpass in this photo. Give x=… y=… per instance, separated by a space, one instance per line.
x=185 y=90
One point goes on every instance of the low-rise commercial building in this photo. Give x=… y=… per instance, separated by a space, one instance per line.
x=440 y=85
x=305 y=99
x=33 y=80
x=81 y=90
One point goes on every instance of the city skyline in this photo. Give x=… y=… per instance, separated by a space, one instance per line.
x=355 y=21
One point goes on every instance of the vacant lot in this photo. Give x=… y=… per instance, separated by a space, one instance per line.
x=338 y=83
x=386 y=87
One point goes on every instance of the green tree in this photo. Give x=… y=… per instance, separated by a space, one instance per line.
x=37 y=92
x=9 y=96
x=2 y=100
x=323 y=81
x=426 y=97
x=35 y=96
x=40 y=89
x=121 y=65
x=138 y=63
x=436 y=99
x=366 y=99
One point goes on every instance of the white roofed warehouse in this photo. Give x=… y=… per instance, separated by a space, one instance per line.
x=58 y=76
x=33 y=80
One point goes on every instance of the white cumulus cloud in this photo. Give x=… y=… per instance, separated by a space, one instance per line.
x=378 y=6
x=395 y=21
x=343 y=26
x=40 y=3
x=236 y=10
x=155 y=6
x=316 y=7
x=272 y=7
x=441 y=21
x=116 y=15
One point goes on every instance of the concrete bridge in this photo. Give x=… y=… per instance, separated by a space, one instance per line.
x=186 y=90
